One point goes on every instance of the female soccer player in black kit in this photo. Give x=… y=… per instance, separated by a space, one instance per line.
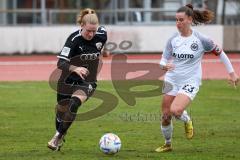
x=78 y=62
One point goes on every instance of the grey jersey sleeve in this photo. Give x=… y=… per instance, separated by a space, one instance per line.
x=167 y=52
x=207 y=43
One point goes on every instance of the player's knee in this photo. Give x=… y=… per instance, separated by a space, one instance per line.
x=74 y=104
x=176 y=111
x=80 y=94
x=62 y=106
x=166 y=119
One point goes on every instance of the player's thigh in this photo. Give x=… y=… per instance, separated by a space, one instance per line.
x=187 y=92
x=179 y=104
x=84 y=91
x=80 y=94
x=168 y=99
x=185 y=95
x=166 y=103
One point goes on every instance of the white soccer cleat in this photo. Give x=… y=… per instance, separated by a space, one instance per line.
x=56 y=142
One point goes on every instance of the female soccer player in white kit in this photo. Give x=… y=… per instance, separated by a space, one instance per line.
x=182 y=60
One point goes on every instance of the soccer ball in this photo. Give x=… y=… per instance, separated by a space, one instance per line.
x=110 y=143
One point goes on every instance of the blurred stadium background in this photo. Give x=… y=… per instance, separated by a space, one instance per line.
x=111 y=12
x=40 y=27
x=26 y=25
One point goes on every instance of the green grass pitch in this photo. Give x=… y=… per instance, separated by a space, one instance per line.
x=27 y=123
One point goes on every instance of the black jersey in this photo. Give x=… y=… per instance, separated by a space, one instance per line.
x=83 y=53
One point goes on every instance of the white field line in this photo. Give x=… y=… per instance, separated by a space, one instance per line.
x=20 y=63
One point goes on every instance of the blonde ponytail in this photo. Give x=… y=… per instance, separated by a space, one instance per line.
x=87 y=15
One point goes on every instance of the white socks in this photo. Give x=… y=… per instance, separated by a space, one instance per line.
x=167 y=133
x=184 y=117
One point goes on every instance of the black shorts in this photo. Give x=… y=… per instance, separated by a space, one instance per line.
x=65 y=90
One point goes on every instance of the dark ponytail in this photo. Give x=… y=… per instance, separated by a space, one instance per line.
x=199 y=17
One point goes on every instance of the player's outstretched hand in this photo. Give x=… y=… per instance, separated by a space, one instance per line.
x=234 y=79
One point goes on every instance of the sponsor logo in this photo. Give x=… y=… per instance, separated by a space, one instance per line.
x=183 y=56
x=89 y=56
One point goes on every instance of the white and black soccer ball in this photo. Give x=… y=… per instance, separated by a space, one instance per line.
x=110 y=143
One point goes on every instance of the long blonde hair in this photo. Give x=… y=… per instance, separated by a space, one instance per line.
x=87 y=15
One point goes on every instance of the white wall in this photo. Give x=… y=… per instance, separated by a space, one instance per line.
x=25 y=40
x=154 y=38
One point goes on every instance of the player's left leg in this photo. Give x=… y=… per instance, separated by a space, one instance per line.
x=185 y=95
x=178 y=107
x=189 y=129
x=188 y=124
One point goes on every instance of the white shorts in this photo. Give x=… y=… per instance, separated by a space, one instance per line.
x=189 y=89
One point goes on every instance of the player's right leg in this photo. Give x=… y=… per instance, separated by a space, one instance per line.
x=166 y=124
x=56 y=142
x=178 y=110
x=66 y=110
x=66 y=113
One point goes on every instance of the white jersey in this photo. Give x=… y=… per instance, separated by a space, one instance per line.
x=186 y=55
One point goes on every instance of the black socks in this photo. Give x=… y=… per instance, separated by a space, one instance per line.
x=65 y=119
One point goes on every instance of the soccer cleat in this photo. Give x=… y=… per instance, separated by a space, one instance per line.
x=164 y=148
x=189 y=129
x=56 y=142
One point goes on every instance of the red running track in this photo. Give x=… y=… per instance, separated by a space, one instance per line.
x=39 y=68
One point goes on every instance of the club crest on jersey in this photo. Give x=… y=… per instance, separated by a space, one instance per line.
x=99 y=45
x=194 y=47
